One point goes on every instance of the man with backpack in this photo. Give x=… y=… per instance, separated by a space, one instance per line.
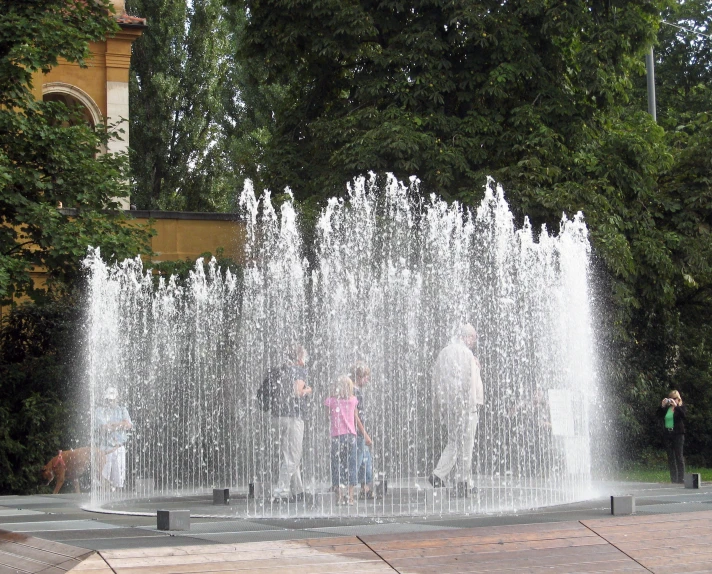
x=283 y=393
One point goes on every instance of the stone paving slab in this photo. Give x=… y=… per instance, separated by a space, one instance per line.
x=263 y=536
x=7 y=512
x=62 y=518
x=308 y=556
x=39 y=517
x=561 y=547
x=23 y=554
x=63 y=525
x=225 y=526
x=302 y=523
x=110 y=543
x=95 y=564
x=69 y=535
x=380 y=529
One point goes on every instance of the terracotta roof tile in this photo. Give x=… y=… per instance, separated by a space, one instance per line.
x=126 y=20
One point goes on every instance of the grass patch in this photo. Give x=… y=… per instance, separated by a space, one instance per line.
x=641 y=473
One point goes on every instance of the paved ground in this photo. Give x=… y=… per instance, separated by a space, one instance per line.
x=630 y=544
x=403 y=544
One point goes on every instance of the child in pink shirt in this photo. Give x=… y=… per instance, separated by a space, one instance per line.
x=343 y=416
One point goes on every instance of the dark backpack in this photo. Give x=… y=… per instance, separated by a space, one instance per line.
x=269 y=394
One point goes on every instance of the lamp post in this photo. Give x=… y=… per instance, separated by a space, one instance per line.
x=650 y=67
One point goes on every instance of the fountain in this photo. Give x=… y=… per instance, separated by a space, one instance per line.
x=389 y=278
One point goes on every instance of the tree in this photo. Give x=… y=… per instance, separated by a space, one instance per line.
x=670 y=334
x=549 y=99
x=248 y=103
x=178 y=70
x=40 y=397
x=447 y=91
x=49 y=156
x=533 y=93
x=683 y=66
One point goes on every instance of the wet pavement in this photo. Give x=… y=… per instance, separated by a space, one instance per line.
x=63 y=518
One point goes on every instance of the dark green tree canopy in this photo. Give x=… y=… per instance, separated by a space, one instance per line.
x=683 y=67
x=49 y=156
x=548 y=97
x=447 y=91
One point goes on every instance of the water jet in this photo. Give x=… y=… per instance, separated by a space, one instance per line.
x=389 y=277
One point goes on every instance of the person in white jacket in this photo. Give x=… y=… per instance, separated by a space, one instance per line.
x=113 y=424
x=459 y=394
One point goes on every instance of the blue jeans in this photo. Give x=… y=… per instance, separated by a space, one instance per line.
x=364 y=462
x=343 y=460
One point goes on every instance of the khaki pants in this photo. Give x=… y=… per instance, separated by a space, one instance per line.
x=456 y=459
x=290 y=431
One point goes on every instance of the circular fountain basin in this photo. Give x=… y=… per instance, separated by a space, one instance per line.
x=387 y=279
x=415 y=497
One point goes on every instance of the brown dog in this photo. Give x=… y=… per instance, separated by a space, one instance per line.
x=67 y=465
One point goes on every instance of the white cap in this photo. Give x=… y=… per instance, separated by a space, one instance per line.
x=111 y=393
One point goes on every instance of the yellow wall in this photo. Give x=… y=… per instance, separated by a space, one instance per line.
x=181 y=236
x=188 y=235
x=91 y=80
x=109 y=62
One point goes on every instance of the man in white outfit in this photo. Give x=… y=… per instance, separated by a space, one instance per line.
x=459 y=394
x=113 y=423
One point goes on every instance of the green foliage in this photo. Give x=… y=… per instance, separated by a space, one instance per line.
x=247 y=103
x=38 y=397
x=48 y=155
x=683 y=67
x=182 y=268
x=178 y=71
x=447 y=91
x=670 y=326
x=549 y=99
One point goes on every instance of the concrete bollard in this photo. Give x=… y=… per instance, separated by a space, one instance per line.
x=693 y=480
x=221 y=496
x=622 y=505
x=380 y=486
x=173 y=519
x=259 y=490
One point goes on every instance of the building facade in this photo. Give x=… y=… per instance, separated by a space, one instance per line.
x=101 y=90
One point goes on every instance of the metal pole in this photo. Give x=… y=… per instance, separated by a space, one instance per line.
x=650 y=67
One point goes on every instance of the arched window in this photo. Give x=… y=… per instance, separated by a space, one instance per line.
x=73 y=97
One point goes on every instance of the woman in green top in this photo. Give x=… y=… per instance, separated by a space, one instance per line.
x=672 y=411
